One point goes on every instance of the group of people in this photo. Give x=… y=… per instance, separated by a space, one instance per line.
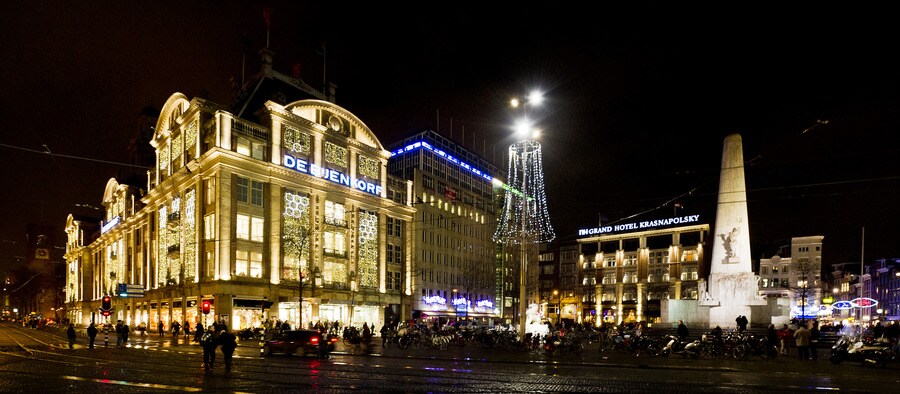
x=217 y=335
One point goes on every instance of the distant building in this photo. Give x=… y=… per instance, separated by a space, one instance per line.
x=455 y=262
x=797 y=276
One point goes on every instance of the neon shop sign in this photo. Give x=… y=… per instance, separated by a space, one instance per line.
x=862 y=302
x=303 y=166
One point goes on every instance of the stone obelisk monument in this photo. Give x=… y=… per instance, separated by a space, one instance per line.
x=732 y=283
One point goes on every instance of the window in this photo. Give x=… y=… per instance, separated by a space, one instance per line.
x=249 y=227
x=774 y=269
x=210 y=190
x=394 y=227
x=258 y=151
x=784 y=269
x=243 y=227
x=209 y=226
x=334 y=243
x=256 y=229
x=689 y=273
x=248 y=264
x=609 y=262
x=394 y=280
x=547 y=270
x=335 y=213
x=609 y=279
x=765 y=270
x=256 y=193
x=242 y=263
x=242 y=190
x=243 y=146
x=394 y=254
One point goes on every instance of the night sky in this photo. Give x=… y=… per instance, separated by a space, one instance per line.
x=638 y=103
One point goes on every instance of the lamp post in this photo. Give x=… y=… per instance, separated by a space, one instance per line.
x=558 y=305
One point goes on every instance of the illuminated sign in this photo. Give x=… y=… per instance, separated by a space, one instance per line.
x=864 y=302
x=109 y=225
x=441 y=153
x=842 y=305
x=305 y=167
x=485 y=304
x=828 y=300
x=435 y=300
x=460 y=301
x=640 y=225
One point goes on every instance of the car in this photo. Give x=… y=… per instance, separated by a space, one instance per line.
x=301 y=342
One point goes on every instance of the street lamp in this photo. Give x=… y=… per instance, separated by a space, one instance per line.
x=558 y=305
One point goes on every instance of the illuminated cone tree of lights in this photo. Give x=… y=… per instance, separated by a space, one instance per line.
x=525 y=220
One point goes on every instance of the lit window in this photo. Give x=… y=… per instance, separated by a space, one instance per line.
x=256 y=265
x=243 y=146
x=241 y=263
x=256 y=230
x=243 y=226
x=335 y=213
x=209 y=226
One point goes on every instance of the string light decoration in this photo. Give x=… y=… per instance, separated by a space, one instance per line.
x=525 y=217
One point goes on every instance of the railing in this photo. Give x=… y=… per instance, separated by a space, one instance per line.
x=249 y=129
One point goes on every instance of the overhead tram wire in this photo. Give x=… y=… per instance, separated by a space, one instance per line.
x=747 y=163
x=51 y=154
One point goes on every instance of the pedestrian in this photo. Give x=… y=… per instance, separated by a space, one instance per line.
x=175 y=328
x=784 y=336
x=682 y=330
x=125 y=331
x=118 y=333
x=814 y=336
x=802 y=337
x=187 y=329
x=772 y=339
x=384 y=334
x=286 y=326
x=92 y=334
x=209 y=341
x=198 y=332
x=229 y=343
x=160 y=327
x=70 y=333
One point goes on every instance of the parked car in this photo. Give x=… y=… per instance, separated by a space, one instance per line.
x=301 y=342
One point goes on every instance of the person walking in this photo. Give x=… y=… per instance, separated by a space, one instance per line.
x=187 y=329
x=198 y=332
x=175 y=328
x=229 y=343
x=160 y=327
x=384 y=334
x=209 y=341
x=772 y=338
x=70 y=333
x=125 y=331
x=92 y=334
x=802 y=341
x=118 y=333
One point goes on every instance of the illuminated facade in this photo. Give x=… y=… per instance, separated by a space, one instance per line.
x=455 y=261
x=797 y=276
x=631 y=271
x=243 y=212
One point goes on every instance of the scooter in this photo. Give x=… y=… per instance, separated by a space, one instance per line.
x=876 y=352
x=675 y=345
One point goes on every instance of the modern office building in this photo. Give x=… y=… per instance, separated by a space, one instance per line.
x=796 y=275
x=632 y=266
x=275 y=207
x=455 y=262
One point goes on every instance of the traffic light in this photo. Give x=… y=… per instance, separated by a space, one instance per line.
x=204 y=307
x=105 y=305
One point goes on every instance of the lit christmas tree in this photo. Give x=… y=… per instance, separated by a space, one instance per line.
x=525 y=217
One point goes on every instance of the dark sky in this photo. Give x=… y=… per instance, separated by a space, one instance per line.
x=639 y=99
